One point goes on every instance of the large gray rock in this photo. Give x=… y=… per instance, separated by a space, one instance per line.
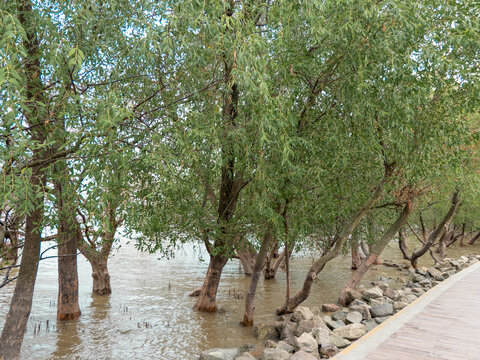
x=287 y=331
x=304 y=326
x=399 y=305
x=338 y=341
x=351 y=332
x=370 y=324
x=384 y=309
x=334 y=324
x=219 y=354
x=353 y=295
x=275 y=354
x=302 y=355
x=329 y=351
x=418 y=291
x=302 y=313
x=307 y=343
x=354 y=317
x=318 y=322
x=321 y=336
x=245 y=356
x=339 y=315
x=285 y=346
x=417 y=278
x=372 y=293
x=425 y=283
x=364 y=310
x=390 y=293
x=265 y=331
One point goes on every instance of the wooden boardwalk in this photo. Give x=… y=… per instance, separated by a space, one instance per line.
x=443 y=324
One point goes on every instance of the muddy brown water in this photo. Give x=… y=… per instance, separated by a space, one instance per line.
x=149 y=315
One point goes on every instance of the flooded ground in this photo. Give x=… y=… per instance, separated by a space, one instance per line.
x=149 y=314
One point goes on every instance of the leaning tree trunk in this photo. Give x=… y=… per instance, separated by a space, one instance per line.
x=346 y=231
x=21 y=303
x=356 y=258
x=474 y=238
x=206 y=301
x=250 y=298
x=375 y=251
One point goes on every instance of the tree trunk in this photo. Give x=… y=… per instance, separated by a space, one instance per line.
x=403 y=243
x=250 y=298
x=101 y=277
x=247 y=258
x=474 y=238
x=206 y=301
x=271 y=265
x=375 y=251
x=21 y=303
x=356 y=259
x=346 y=231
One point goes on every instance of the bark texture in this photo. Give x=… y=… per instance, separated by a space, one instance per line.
x=250 y=298
x=206 y=301
x=375 y=251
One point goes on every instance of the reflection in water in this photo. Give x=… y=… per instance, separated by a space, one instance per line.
x=149 y=313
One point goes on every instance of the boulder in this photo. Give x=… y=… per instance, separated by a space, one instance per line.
x=334 y=324
x=287 y=331
x=265 y=331
x=219 y=354
x=328 y=351
x=275 y=354
x=382 y=285
x=411 y=297
x=353 y=295
x=339 y=315
x=318 y=322
x=380 y=320
x=351 y=332
x=357 y=302
x=304 y=326
x=372 y=293
x=285 y=346
x=370 y=324
x=302 y=355
x=330 y=307
x=338 y=341
x=390 y=293
x=321 y=336
x=354 y=317
x=364 y=310
x=245 y=356
x=418 y=291
x=302 y=313
x=417 y=278
x=399 y=305
x=384 y=309
x=375 y=302
x=307 y=343
x=425 y=283
x=433 y=271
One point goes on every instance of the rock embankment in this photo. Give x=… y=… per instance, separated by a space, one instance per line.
x=310 y=333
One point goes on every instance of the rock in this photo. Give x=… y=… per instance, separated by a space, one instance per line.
x=339 y=315
x=275 y=354
x=399 y=305
x=335 y=324
x=354 y=317
x=285 y=346
x=321 y=336
x=328 y=351
x=265 y=331
x=319 y=323
x=330 y=307
x=307 y=343
x=383 y=285
x=364 y=310
x=287 y=331
x=302 y=313
x=304 y=326
x=411 y=297
x=380 y=320
x=384 y=299
x=270 y=344
x=302 y=355
x=372 y=293
x=351 y=332
x=390 y=293
x=338 y=341
x=353 y=295
x=418 y=291
x=473 y=261
x=219 y=354
x=425 y=283
x=245 y=356
x=417 y=278
x=315 y=310
x=375 y=302
x=422 y=271
x=370 y=324
x=415 y=286
x=246 y=348
x=357 y=302
x=433 y=271
x=385 y=309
